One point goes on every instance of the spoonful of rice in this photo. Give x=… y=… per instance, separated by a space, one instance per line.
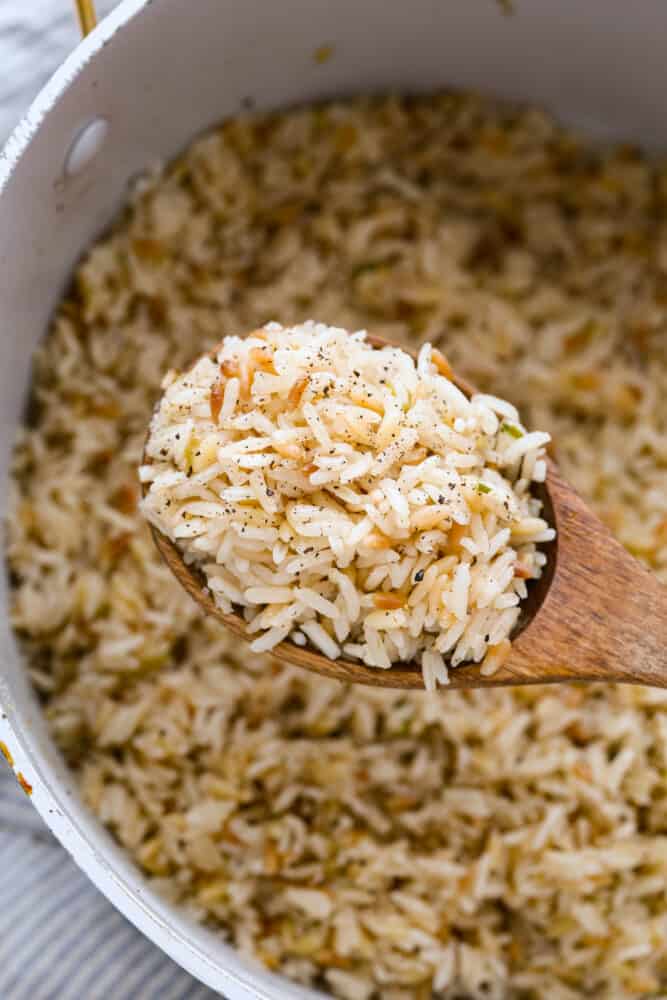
x=367 y=515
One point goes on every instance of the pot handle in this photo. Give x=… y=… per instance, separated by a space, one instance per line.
x=85 y=10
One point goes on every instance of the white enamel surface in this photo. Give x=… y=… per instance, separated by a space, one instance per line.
x=159 y=72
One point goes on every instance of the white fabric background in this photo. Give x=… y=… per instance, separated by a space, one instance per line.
x=59 y=937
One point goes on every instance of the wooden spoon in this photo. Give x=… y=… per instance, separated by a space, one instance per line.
x=595 y=614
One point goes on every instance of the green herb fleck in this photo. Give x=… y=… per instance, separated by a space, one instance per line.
x=371 y=265
x=483 y=488
x=512 y=430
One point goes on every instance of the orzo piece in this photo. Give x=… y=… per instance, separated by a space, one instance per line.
x=503 y=844
x=346 y=496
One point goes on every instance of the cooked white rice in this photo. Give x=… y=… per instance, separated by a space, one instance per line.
x=383 y=845
x=350 y=497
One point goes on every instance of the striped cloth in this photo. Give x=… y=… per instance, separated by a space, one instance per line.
x=60 y=939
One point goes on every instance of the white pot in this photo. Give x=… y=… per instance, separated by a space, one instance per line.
x=160 y=72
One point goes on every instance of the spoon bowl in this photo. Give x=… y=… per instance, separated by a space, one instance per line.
x=595 y=614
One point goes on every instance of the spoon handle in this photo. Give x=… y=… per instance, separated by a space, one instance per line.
x=604 y=617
